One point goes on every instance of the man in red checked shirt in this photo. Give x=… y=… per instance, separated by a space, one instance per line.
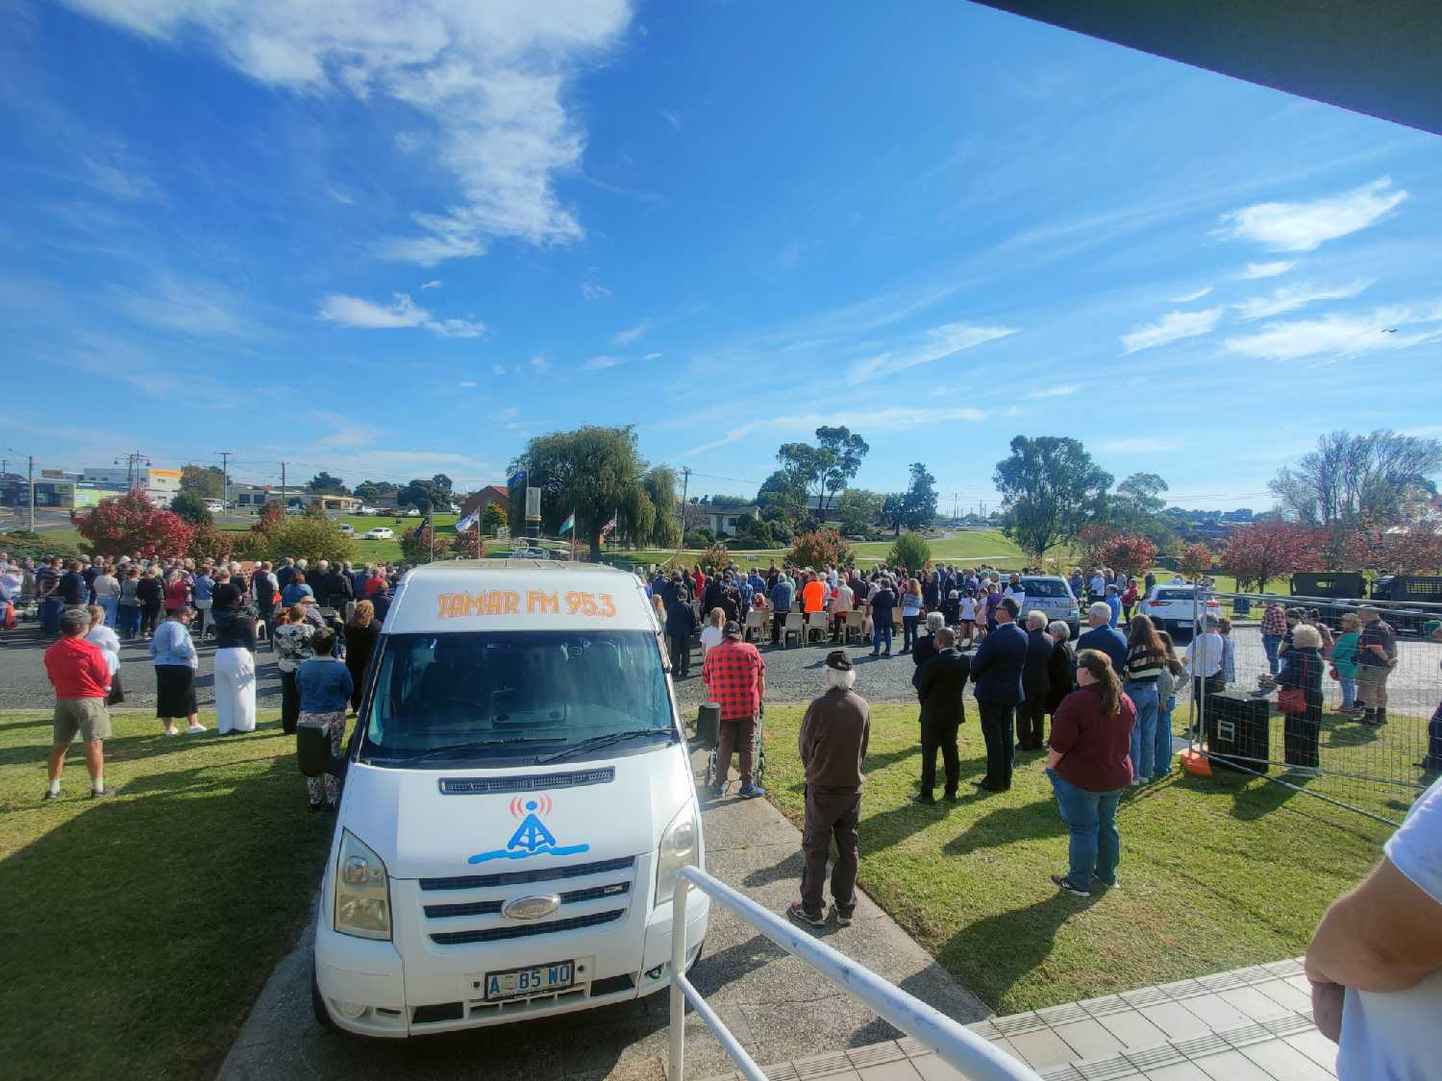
x=81 y=678
x=735 y=678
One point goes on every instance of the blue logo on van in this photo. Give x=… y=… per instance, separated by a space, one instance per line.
x=532 y=837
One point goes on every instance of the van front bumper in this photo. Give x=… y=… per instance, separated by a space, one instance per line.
x=377 y=989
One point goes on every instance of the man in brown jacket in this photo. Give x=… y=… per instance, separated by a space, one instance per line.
x=832 y=744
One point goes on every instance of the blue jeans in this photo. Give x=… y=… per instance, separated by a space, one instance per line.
x=1271 y=643
x=1095 y=847
x=1349 y=690
x=1162 y=756
x=107 y=604
x=881 y=632
x=1144 y=732
x=127 y=620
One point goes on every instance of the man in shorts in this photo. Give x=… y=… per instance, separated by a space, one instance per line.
x=81 y=678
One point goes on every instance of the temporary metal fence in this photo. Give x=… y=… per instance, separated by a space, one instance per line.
x=1373 y=760
x=973 y=1056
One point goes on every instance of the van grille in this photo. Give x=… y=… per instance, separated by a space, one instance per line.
x=495 y=786
x=496 y=934
x=520 y=878
x=490 y=908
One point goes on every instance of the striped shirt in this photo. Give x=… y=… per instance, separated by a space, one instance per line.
x=1144 y=664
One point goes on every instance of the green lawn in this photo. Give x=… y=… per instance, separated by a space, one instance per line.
x=989 y=545
x=1215 y=874
x=138 y=930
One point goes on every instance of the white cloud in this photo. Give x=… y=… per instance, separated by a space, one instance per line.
x=1265 y=270
x=468 y=384
x=498 y=369
x=120 y=178
x=1172 y=327
x=1065 y=390
x=1291 y=297
x=490 y=78
x=510 y=412
x=893 y=419
x=539 y=363
x=190 y=306
x=434 y=283
x=594 y=290
x=653 y=356
x=937 y=343
x=597 y=363
x=408 y=142
x=672 y=118
x=631 y=334
x=1187 y=298
x=340 y=196
x=1389 y=328
x=344 y=432
x=402 y=312
x=1307 y=226
x=1141 y=445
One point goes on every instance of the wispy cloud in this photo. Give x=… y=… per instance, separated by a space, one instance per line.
x=191 y=306
x=893 y=419
x=653 y=356
x=1065 y=390
x=120 y=178
x=357 y=312
x=492 y=80
x=1307 y=226
x=594 y=290
x=1141 y=445
x=539 y=363
x=1187 y=298
x=631 y=334
x=434 y=283
x=344 y=432
x=1265 y=270
x=938 y=343
x=1172 y=327
x=468 y=384
x=671 y=117
x=598 y=363
x=341 y=196
x=1291 y=297
x=1388 y=328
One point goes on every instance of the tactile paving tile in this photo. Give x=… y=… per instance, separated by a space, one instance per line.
x=1105 y=1006
x=1182 y=989
x=1063 y=1014
x=1154 y=1058
x=837 y=1062
x=1061 y=1073
x=1202 y=1046
x=1018 y=1024
x=1288 y=1026
x=1246 y=1035
x=1145 y=996
x=874 y=1055
x=1223 y=981
x=1107 y=1069
x=785 y=1072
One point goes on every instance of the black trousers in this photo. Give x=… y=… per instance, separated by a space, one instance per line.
x=830 y=812
x=1030 y=726
x=940 y=736
x=997 y=724
x=289 y=702
x=680 y=654
x=1299 y=735
x=778 y=626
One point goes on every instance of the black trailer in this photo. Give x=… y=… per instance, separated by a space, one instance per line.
x=1409 y=589
x=1346 y=588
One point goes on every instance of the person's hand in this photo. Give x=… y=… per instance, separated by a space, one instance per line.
x=1327 y=999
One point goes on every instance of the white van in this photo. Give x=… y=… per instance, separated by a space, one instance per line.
x=517 y=800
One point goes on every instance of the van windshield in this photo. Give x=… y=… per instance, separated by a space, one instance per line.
x=515 y=695
x=1045 y=587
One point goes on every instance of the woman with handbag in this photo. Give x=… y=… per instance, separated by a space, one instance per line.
x=1299 y=697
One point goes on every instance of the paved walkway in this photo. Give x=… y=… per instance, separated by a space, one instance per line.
x=1252 y=1024
x=777 y=1007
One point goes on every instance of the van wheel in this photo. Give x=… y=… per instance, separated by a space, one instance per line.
x=317 y=1001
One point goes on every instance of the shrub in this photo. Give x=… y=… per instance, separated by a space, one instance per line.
x=714 y=558
x=699 y=538
x=467 y=545
x=1129 y=553
x=910 y=551
x=23 y=544
x=207 y=542
x=131 y=523
x=821 y=548
x=191 y=507
x=416 y=545
x=309 y=538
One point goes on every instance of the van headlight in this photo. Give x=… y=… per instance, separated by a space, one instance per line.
x=680 y=847
x=362 y=891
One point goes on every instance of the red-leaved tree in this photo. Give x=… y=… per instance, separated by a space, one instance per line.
x=129 y=524
x=1195 y=560
x=1257 y=553
x=1091 y=540
x=468 y=545
x=1129 y=553
x=271 y=517
x=1417 y=551
x=207 y=542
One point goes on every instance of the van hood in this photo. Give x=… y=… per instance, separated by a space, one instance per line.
x=439 y=823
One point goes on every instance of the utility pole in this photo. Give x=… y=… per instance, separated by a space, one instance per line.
x=30 y=472
x=685 y=487
x=282 y=486
x=225 y=457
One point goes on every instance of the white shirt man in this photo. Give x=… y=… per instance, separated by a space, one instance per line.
x=1206 y=651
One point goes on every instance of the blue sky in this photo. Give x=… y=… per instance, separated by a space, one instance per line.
x=391 y=240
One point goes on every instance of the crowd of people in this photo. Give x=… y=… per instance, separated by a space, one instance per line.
x=321 y=621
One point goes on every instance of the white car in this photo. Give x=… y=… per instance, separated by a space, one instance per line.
x=518 y=801
x=347 y=529
x=366 y=511
x=380 y=532
x=215 y=506
x=1170 y=605
x=414 y=512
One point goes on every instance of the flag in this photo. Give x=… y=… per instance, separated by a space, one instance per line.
x=518 y=480
x=608 y=526
x=468 y=522
x=569 y=524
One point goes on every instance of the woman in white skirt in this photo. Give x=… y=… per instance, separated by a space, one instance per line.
x=234 y=662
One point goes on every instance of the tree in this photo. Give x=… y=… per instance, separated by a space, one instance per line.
x=1129 y=554
x=420 y=494
x=206 y=481
x=467 y=545
x=859 y=509
x=272 y=516
x=844 y=451
x=1137 y=506
x=207 y=542
x=129 y=524
x=372 y=491
x=1377 y=477
x=1195 y=560
x=1090 y=540
x=918 y=508
x=754 y=531
x=893 y=511
x=325 y=484
x=660 y=484
x=782 y=496
x=307 y=537
x=822 y=548
x=1050 y=488
x=909 y=551
x=590 y=471
x=635 y=516
x=442 y=484
x=714 y=558
x=493 y=517
x=191 y=507
x=1257 y=553
x=1417 y=550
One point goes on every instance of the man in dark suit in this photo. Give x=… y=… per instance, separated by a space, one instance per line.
x=997 y=669
x=939 y=683
x=1035 y=682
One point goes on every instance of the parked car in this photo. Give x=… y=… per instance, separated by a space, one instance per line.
x=1170 y=606
x=215 y=506
x=367 y=511
x=524 y=552
x=1051 y=594
x=380 y=532
x=347 y=529
x=413 y=512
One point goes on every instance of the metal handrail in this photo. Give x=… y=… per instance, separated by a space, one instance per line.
x=974 y=1056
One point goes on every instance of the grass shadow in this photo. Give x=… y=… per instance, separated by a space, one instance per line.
x=1011 y=945
x=1005 y=825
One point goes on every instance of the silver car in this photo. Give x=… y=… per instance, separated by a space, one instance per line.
x=1051 y=594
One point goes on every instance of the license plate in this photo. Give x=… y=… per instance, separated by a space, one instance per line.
x=536 y=980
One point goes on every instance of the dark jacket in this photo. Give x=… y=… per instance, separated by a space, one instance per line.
x=998 y=664
x=1106 y=640
x=1304 y=670
x=923 y=651
x=234 y=629
x=1035 y=674
x=680 y=619
x=939 y=684
x=1061 y=675
x=833 y=739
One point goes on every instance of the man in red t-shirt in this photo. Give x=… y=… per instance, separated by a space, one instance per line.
x=81 y=678
x=735 y=678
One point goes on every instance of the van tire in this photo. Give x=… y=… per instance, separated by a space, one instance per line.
x=317 y=1000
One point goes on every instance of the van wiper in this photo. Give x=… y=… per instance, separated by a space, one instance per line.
x=603 y=741
x=473 y=745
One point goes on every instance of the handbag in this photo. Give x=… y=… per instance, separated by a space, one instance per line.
x=1292 y=700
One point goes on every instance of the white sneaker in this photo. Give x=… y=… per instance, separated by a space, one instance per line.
x=195 y=729
x=171 y=732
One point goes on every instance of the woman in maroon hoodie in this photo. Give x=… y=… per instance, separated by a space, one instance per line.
x=1089 y=766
